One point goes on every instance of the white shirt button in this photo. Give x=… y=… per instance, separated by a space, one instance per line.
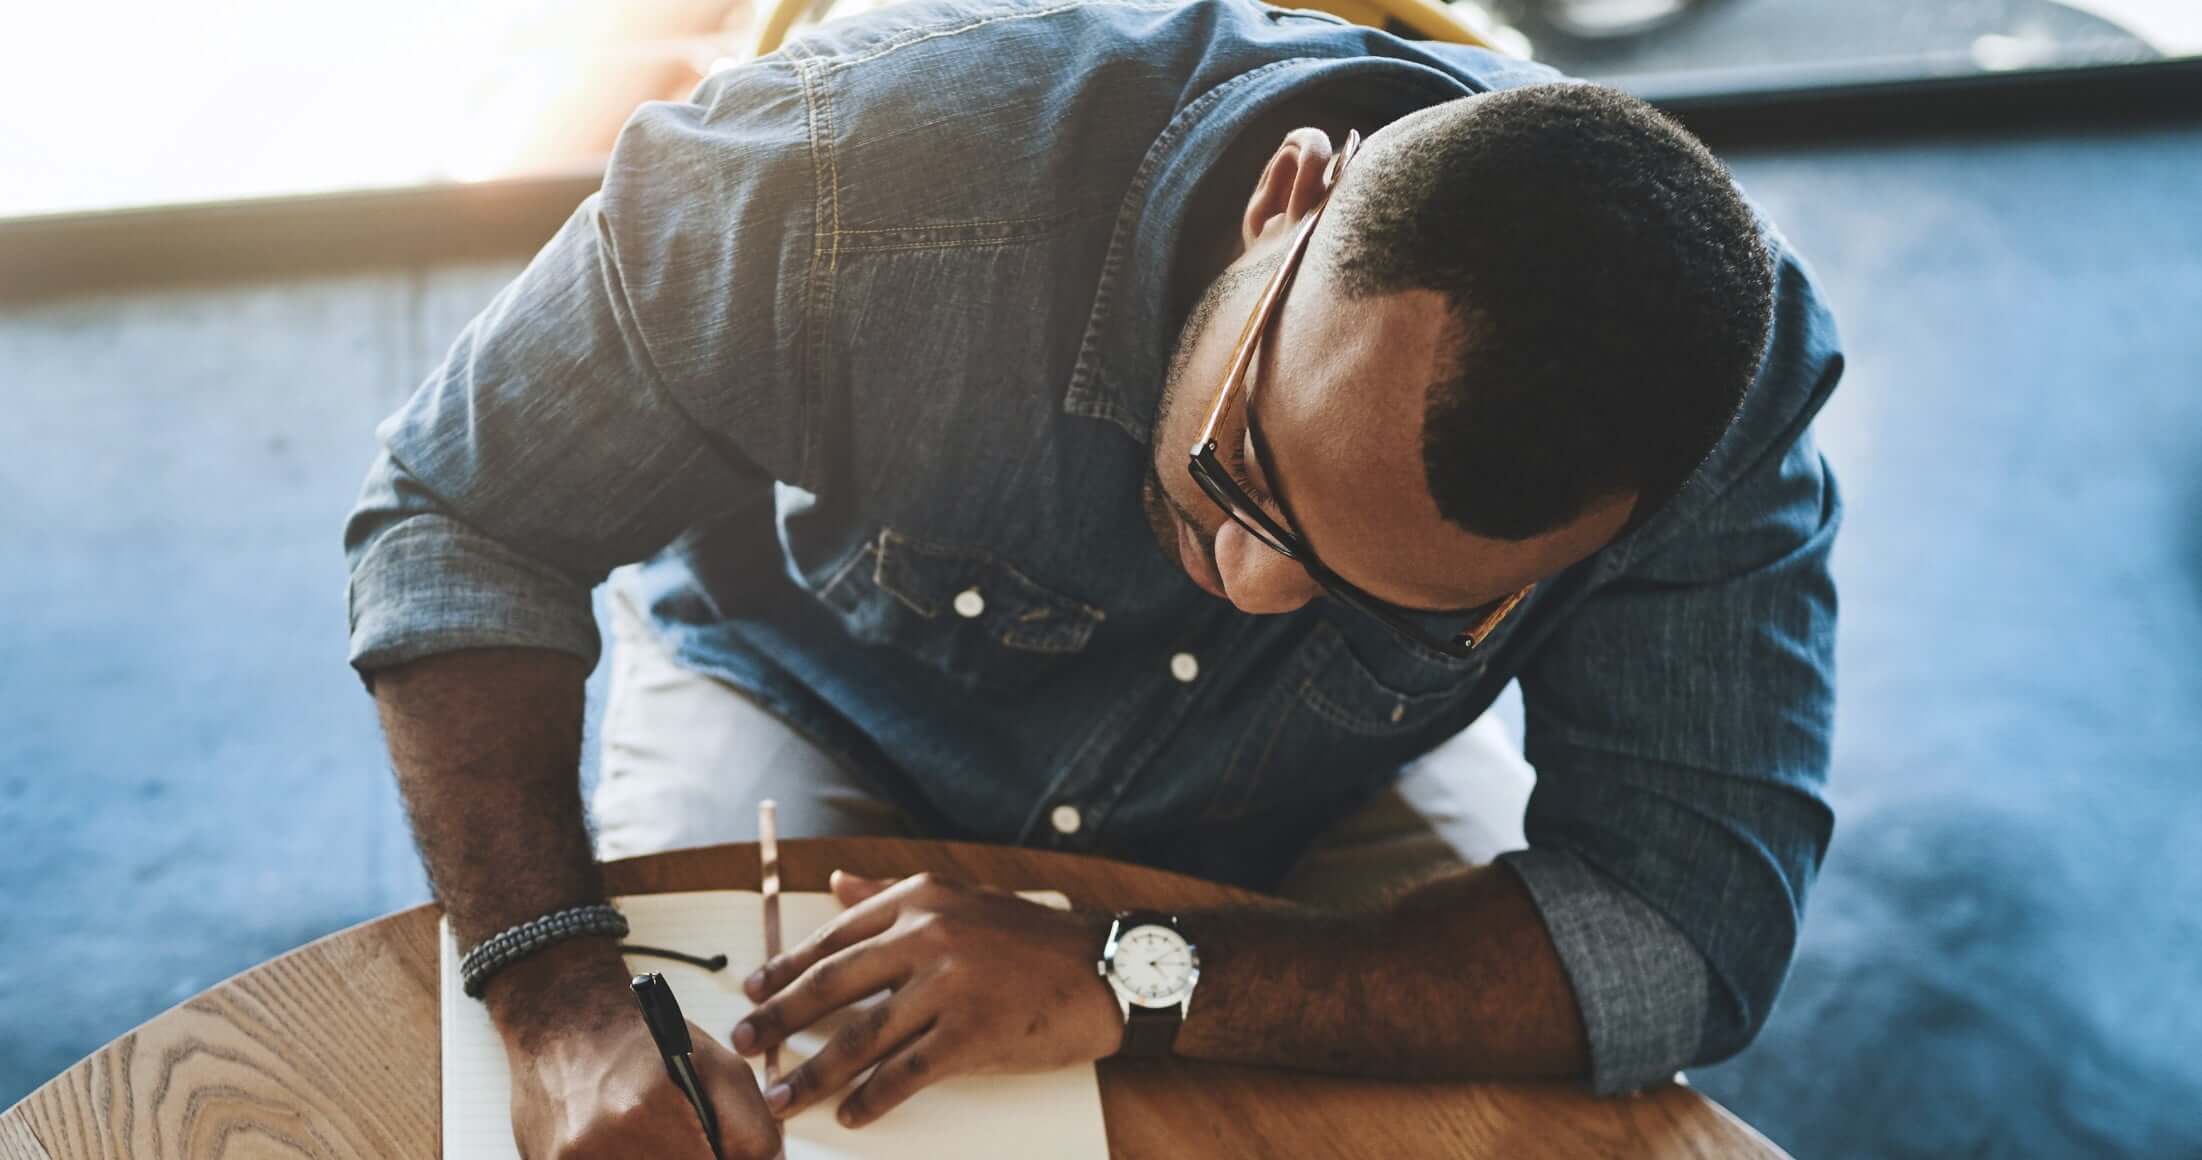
x=1066 y=819
x=969 y=604
x=1185 y=667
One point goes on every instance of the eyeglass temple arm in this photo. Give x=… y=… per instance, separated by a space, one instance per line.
x=1243 y=352
x=1473 y=635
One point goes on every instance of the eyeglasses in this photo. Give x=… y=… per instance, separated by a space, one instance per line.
x=1224 y=488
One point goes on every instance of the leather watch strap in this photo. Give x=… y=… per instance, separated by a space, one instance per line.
x=1150 y=1032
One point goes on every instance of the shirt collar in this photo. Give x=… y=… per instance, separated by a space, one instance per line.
x=1125 y=353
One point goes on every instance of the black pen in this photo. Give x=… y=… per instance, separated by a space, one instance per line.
x=669 y=1029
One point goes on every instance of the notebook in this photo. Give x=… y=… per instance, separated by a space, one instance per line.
x=1048 y=1116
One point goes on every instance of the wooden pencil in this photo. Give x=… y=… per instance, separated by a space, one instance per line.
x=768 y=849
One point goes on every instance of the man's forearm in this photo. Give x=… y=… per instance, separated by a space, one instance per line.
x=487 y=747
x=1456 y=979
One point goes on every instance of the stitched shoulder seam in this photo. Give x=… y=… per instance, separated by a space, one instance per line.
x=824 y=254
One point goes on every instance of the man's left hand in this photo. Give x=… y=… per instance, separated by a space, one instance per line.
x=979 y=980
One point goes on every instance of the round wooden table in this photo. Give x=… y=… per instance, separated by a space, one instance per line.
x=331 y=1051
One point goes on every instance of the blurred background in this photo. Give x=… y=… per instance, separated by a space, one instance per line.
x=234 y=234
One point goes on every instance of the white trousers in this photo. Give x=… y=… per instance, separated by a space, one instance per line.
x=687 y=757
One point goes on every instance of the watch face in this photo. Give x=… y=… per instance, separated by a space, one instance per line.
x=1154 y=965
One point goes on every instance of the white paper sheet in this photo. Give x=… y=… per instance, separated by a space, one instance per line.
x=1041 y=1117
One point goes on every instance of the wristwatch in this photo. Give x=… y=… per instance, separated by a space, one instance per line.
x=1152 y=967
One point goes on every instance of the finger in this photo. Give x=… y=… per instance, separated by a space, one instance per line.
x=857 y=923
x=878 y=1030
x=830 y=984
x=898 y=1077
x=747 y=1130
x=854 y=888
x=846 y=929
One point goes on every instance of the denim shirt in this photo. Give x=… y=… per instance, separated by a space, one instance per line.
x=858 y=350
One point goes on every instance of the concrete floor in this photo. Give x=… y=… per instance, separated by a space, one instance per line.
x=1999 y=958
x=1757 y=41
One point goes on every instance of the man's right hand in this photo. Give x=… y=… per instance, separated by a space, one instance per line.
x=487 y=743
x=605 y=1095
x=587 y=1080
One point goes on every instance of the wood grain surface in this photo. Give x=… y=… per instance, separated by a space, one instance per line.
x=17 y=1142
x=331 y=1051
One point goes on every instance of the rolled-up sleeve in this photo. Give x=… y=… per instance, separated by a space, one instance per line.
x=1679 y=723
x=640 y=377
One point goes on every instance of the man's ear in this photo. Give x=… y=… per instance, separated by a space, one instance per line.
x=1291 y=184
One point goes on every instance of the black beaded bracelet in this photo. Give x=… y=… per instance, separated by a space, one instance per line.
x=507 y=947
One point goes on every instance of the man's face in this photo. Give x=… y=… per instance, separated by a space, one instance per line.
x=1337 y=388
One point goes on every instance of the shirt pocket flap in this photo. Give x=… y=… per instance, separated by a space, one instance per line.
x=936 y=580
x=1345 y=693
x=961 y=611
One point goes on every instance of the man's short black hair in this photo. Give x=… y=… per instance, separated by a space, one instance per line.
x=1609 y=288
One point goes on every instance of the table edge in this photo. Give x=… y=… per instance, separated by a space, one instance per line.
x=435 y=908
x=18 y=1112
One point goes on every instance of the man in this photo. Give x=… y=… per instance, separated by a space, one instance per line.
x=889 y=353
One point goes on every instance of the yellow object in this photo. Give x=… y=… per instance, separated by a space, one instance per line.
x=779 y=22
x=1425 y=18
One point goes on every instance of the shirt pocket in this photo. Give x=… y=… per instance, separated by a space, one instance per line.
x=962 y=611
x=1330 y=732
